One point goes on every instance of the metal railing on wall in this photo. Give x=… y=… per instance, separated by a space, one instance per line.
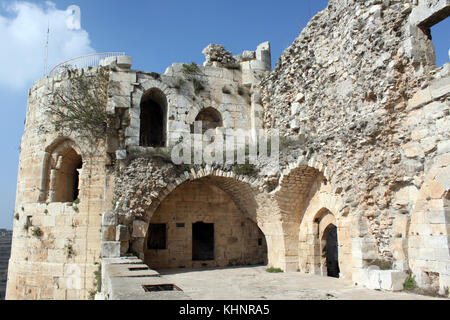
x=90 y=60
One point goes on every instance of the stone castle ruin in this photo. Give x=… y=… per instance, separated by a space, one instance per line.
x=361 y=192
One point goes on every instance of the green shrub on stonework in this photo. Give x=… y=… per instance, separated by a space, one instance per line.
x=274 y=270
x=92 y=294
x=410 y=283
x=198 y=86
x=27 y=224
x=245 y=169
x=98 y=277
x=80 y=105
x=155 y=75
x=190 y=68
x=233 y=66
x=37 y=232
x=69 y=250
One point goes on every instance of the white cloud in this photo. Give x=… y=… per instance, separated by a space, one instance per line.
x=23 y=34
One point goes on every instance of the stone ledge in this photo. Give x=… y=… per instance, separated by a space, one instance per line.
x=375 y=279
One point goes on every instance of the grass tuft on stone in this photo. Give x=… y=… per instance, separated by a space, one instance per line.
x=410 y=283
x=274 y=270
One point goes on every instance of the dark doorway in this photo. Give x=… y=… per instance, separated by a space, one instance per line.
x=157 y=236
x=332 y=252
x=152 y=125
x=202 y=241
x=76 y=181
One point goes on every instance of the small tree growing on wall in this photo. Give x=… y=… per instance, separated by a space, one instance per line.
x=79 y=104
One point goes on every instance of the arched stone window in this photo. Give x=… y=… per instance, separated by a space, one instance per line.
x=153 y=119
x=210 y=119
x=62 y=173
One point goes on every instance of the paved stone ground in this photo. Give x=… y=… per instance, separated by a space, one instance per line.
x=254 y=283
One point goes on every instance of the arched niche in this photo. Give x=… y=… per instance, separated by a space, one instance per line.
x=210 y=119
x=61 y=175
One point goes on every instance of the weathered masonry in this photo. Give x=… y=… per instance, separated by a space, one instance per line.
x=362 y=190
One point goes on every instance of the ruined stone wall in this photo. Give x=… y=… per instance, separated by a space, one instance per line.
x=349 y=86
x=188 y=90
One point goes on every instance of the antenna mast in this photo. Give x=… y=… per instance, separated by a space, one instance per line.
x=46 y=51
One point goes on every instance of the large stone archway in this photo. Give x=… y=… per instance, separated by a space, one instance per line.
x=278 y=213
x=240 y=192
x=322 y=211
x=233 y=237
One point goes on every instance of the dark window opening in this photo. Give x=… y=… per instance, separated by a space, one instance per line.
x=331 y=252
x=210 y=119
x=65 y=183
x=259 y=242
x=153 y=119
x=202 y=241
x=156 y=237
x=438 y=33
x=151 y=125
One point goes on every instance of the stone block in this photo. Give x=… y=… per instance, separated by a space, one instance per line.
x=121 y=154
x=48 y=221
x=108 y=233
x=109 y=219
x=360 y=276
x=443 y=147
x=295 y=124
x=137 y=246
x=444 y=178
x=428 y=12
x=295 y=108
x=124 y=246
x=412 y=149
x=420 y=98
x=440 y=88
x=364 y=249
x=139 y=229
x=300 y=97
x=122 y=233
x=132 y=132
x=120 y=101
x=392 y=280
x=248 y=55
x=258 y=65
x=111 y=249
x=108 y=61
x=124 y=62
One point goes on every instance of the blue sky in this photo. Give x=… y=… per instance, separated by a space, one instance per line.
x=155 y=33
